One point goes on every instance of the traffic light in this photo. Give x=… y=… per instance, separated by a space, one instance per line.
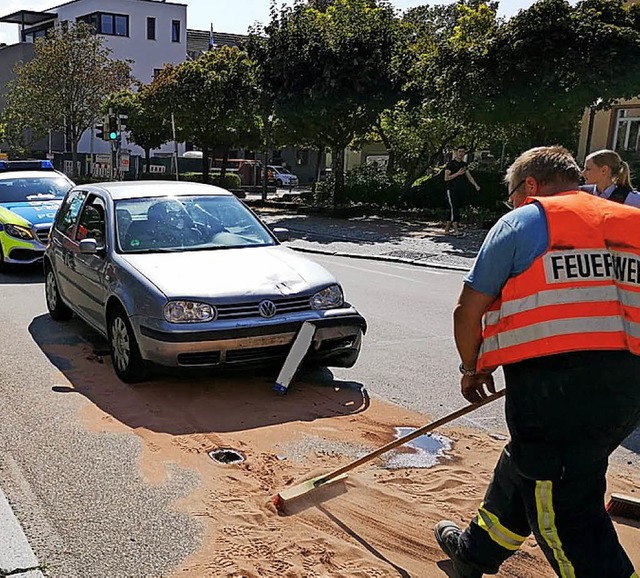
x=113 y=128
x=100 y=130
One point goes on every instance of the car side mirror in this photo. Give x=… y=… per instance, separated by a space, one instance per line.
x=281 y=234
x=89 y=247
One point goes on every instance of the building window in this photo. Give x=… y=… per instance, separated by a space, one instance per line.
x=627 y=130
x=108 y=24
x=151 y=28
x=175 y=31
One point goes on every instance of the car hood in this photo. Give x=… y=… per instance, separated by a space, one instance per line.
x=29 y=212
x=231 y=273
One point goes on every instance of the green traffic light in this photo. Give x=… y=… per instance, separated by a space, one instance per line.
x=113 y=135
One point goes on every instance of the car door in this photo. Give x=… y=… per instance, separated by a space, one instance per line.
x=90 y=269
x=62 y=257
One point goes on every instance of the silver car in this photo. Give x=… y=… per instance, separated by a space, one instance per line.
x=182 y=274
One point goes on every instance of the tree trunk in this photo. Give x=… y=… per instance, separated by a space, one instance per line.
x=147 y=158
x=205 y=164
x=318 y=168
x=391 y=164
x=225 y=158
x=74 y=157
x=337 y=169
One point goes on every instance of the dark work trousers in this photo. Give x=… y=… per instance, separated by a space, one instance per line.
x=566 y=414
x=453 y=197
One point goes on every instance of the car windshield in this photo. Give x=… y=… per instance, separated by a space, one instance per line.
x=28 y=189
x=283 y=171
x=154 y=225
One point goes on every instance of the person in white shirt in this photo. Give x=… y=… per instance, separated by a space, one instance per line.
x=607 y=176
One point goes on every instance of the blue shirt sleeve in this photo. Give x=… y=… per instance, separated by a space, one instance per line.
x=511 y=246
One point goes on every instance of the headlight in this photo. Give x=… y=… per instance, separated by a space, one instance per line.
x=328 y=298
x=188 y=312
x=19 y=232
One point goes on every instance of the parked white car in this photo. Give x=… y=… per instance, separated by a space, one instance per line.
x=283 y=177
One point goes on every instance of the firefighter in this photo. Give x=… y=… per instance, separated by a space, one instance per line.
x=554 y=298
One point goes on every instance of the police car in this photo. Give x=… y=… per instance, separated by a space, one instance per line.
x=30 y=194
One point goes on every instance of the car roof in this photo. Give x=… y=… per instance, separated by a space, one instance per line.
x=119 y=190
x=13 y=175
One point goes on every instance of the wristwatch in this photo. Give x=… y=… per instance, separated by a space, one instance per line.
x=465 y=371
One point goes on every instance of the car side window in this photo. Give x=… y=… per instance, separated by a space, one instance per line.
x=68 y=214
x=91 y=224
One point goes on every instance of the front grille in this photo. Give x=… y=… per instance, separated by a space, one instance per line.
x=205 y=358
x=245 y=310
x=25 y=254
x=257 y=354
x=43 y=235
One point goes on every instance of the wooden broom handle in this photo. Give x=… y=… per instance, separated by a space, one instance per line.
x=414 y=434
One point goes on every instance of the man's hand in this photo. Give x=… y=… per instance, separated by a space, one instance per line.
x=477 y=188
x=473 y=386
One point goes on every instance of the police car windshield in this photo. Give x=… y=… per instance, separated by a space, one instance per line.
x=17 y=189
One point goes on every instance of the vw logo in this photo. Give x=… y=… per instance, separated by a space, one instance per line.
x=267 y=308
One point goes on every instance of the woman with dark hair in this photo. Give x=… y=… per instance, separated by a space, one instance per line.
x=607 y=175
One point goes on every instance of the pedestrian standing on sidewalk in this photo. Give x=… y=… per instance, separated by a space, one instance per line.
x=456 y=175
x=607 y=176
x=554 y=298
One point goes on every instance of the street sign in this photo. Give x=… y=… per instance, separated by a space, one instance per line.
x=103 y=158
x=124 y=161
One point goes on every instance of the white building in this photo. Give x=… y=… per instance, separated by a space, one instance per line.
x=151 y=33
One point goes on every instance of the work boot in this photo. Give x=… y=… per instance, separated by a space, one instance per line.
x=448 y=538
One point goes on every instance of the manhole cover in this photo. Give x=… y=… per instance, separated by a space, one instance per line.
x=226 y=456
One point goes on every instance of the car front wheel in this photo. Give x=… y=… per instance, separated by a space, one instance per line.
x=125 y=354
x=57 y=308
x=279 y=183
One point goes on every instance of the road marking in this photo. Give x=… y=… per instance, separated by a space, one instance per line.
x=390 y=274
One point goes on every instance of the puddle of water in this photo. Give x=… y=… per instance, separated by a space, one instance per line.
x=424 y=451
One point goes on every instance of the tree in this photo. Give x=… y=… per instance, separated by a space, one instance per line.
x=327 y=66
x=146 y=127
x=64 y=85
x=214 y=100
x=543 y=67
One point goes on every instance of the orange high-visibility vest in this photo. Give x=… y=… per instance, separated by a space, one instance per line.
x=583 y=293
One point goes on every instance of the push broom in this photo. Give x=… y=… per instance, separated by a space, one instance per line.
x=284 y=497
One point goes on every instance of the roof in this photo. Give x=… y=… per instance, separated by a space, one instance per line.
x=119 y=190
x=28 y=17
x=198 y=40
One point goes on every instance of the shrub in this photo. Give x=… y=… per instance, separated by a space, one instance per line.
x=230 y=181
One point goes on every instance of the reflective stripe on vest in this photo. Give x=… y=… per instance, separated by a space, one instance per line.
x=583 y=293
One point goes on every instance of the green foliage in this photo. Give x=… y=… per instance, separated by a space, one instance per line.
x=229 y=181
x=544 y=66
x=365 y=184
x=213 y=98
x=325 y=68
x=146 y=126
x=64 y=85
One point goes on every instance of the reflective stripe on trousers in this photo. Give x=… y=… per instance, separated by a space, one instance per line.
x=499 y=533
x=547 y=527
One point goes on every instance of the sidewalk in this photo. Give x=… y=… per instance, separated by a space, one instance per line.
x=389 y=239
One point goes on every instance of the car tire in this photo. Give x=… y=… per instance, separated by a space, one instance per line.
x=125 y=353
x=58 y=310
x=279 y=183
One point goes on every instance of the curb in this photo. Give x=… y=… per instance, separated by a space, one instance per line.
x=383 y=258
x=16 y=556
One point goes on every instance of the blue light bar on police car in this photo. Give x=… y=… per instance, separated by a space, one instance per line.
x=33 y=165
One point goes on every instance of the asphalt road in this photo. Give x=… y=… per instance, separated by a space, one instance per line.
x=79 y=494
